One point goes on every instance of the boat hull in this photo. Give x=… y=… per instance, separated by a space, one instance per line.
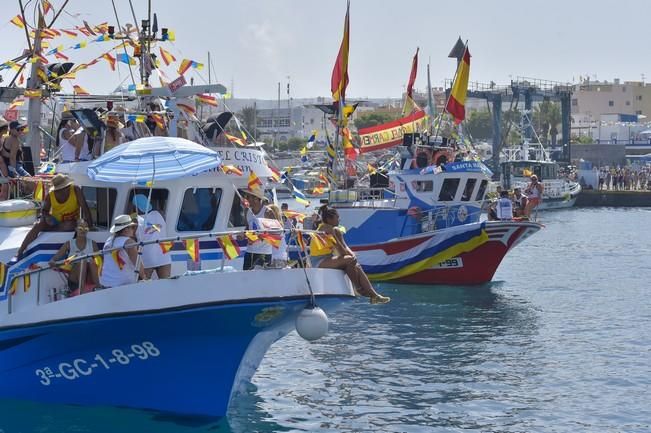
x=464 y=255
x=189 y=361
x=183 y=345
x=479 y=265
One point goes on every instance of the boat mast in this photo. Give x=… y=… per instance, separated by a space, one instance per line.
x=34 y=107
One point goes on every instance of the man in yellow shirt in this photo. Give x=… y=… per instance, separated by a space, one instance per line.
x=62 y=207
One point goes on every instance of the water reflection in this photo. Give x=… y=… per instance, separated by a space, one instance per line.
x=415 y=361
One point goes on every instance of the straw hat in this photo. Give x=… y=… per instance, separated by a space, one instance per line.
x=60 y=181
x=121 y=222
x=256 y=192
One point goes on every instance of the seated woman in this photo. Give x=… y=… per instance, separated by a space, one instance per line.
x=336 y=254
x=279 y=255
x=84 y=270
x=152 y=227
x=120 y=264
x=62 y=207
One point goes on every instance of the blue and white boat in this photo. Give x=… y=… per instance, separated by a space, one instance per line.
x=184 y=345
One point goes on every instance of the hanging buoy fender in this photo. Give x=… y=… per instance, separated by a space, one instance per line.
x=312 y=323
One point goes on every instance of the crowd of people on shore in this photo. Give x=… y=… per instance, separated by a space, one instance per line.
x=627 y=178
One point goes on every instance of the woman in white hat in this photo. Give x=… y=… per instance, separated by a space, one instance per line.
x=120 y=265
x=258 y=252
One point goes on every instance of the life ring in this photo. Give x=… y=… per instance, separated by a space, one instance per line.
x=17 y=213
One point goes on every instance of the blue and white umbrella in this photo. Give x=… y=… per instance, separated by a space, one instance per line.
x=153 y=158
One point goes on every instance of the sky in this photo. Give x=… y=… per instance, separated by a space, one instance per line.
x=255 y=44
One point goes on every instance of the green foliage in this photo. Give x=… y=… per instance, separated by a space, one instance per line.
x=546 y=120
x=294 y=143
x=374 y=118
x=583 y=139
x=247 y=117
x=479 y=124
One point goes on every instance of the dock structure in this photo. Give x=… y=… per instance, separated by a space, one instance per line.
x=530 y=90
x=595 y=198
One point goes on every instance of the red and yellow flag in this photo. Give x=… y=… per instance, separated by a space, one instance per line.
x=234 y=139
x=192 y=247
x=300 y=241
x=78 y=90
x=457 y=100
x=39 y=191
x=271 y=238
x=99 y=262
x=295 y=215
x=231 y=169
x=18 y=21
x=339 y=80
x=14 y=285
x=166 y=56
x=184 y=66
x=254 y=181
x=275 y=174
x=47 y=7
x=251 y=236
x=3 y=273
x=61 y=56
x=206 y=99
x=118 y=259
x=229 y=246
x=166 y=246
x=110 y=59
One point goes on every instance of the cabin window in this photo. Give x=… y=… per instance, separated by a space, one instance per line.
x=199 y=209
x=482 y=190
x=237 y=217
x=467 y=191
x=423 y=185
x=158 y=200
x=101 y=202
x=449 y=189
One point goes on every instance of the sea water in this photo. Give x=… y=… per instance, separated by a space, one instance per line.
x=560 y=341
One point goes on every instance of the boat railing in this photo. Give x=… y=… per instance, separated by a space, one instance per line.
x=13 y=280
x=371 y=197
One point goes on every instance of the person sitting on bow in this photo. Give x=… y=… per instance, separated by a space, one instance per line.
x=62 y=207
x=332 y=252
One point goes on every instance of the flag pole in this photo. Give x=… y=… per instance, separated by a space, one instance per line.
x=456 y=72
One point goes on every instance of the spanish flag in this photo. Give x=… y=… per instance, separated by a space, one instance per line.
x=99 y=262
x=339 y=80
x=159 y=120
x=206 y=99
x=192 y=247
x=166 y=246
x=3 y=273
x=275 y=174
x=18 y=21
x=254 y=181
x=61 y=56
x=457 y=100
x=295 y=215
x=47 y=7
x=110 y=59
x=234 y=139
x=231 y=169
x=231 y=248
x=166 y=56
x=184 y=66
x=14 y=284
x=300 y=241
x=118 y=259
x=78 y=90
x=271 y=238
x=349 y=149
x=251 y=236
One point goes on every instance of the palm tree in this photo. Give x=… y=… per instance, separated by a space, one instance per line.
x=547 y=116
